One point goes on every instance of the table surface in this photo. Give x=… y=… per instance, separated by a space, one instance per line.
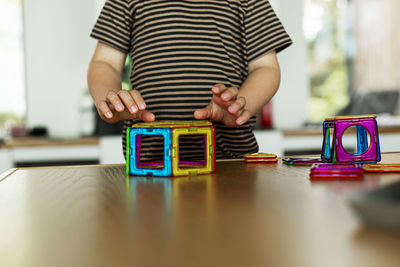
x=244 y=215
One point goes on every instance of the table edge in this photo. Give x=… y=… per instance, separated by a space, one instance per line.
x=7 y=173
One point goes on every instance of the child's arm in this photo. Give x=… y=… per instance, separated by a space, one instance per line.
x=104 y=80
x=235 y=107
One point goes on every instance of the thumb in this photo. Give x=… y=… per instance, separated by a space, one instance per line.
x=146 y=116
x=203 y=113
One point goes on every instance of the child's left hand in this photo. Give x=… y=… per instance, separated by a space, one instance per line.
x=225 y=106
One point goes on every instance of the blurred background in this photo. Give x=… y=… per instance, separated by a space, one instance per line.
x=344 y=61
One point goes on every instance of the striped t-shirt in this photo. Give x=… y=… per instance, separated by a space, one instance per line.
x=180 y=49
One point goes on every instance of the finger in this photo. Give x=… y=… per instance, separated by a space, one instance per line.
x=230 y=94
x=218 y=89
x=238 y=105
x=219 y=102
x=110 y=106
x=138 y=99
x=146 y=116
x=105 y=110
x=243 y=118
x=239 y=113
x=114 y=99
x=128 y=101
x=203 y=113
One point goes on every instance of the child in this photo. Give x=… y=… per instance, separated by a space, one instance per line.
x=191 y=59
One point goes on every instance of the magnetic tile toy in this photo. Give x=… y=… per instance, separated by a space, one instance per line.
x=336 y=171
x=332 y=147
x=337 y=176
x=301 y=161
x=172 y=164
x=337 y=168
x=382 y=168
x=260 y=158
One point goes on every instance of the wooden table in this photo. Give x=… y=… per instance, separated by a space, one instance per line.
x=244 y=215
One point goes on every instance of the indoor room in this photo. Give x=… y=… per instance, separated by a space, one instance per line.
x=336 y=65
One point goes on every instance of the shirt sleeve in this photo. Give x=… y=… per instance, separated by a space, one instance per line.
x=114 y=25
x=263 y=29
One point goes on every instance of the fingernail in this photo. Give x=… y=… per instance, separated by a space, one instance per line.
x=133 y=109
x=225 y=97
x=240 y=121
x=142 y=106
x=232 y=109
x=120 y=107
x=215 y=88
x=109 y=115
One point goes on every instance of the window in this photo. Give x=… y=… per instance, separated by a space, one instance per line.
x=12 y=79
x=327 y=31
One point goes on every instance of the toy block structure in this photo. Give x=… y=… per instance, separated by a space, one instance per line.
x=172 y=164
x=332 y=147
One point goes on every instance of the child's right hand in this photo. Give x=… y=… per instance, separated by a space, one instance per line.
x=123 y=105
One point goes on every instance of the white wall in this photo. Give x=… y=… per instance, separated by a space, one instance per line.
x=290 y=103
x=57 y=51
x=99 y=5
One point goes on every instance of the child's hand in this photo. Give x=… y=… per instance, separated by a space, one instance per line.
x=123 y=105
x=225 y=106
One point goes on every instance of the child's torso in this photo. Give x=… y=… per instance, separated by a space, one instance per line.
x=180 y=49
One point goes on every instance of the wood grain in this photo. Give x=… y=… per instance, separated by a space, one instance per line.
x=244 y=215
